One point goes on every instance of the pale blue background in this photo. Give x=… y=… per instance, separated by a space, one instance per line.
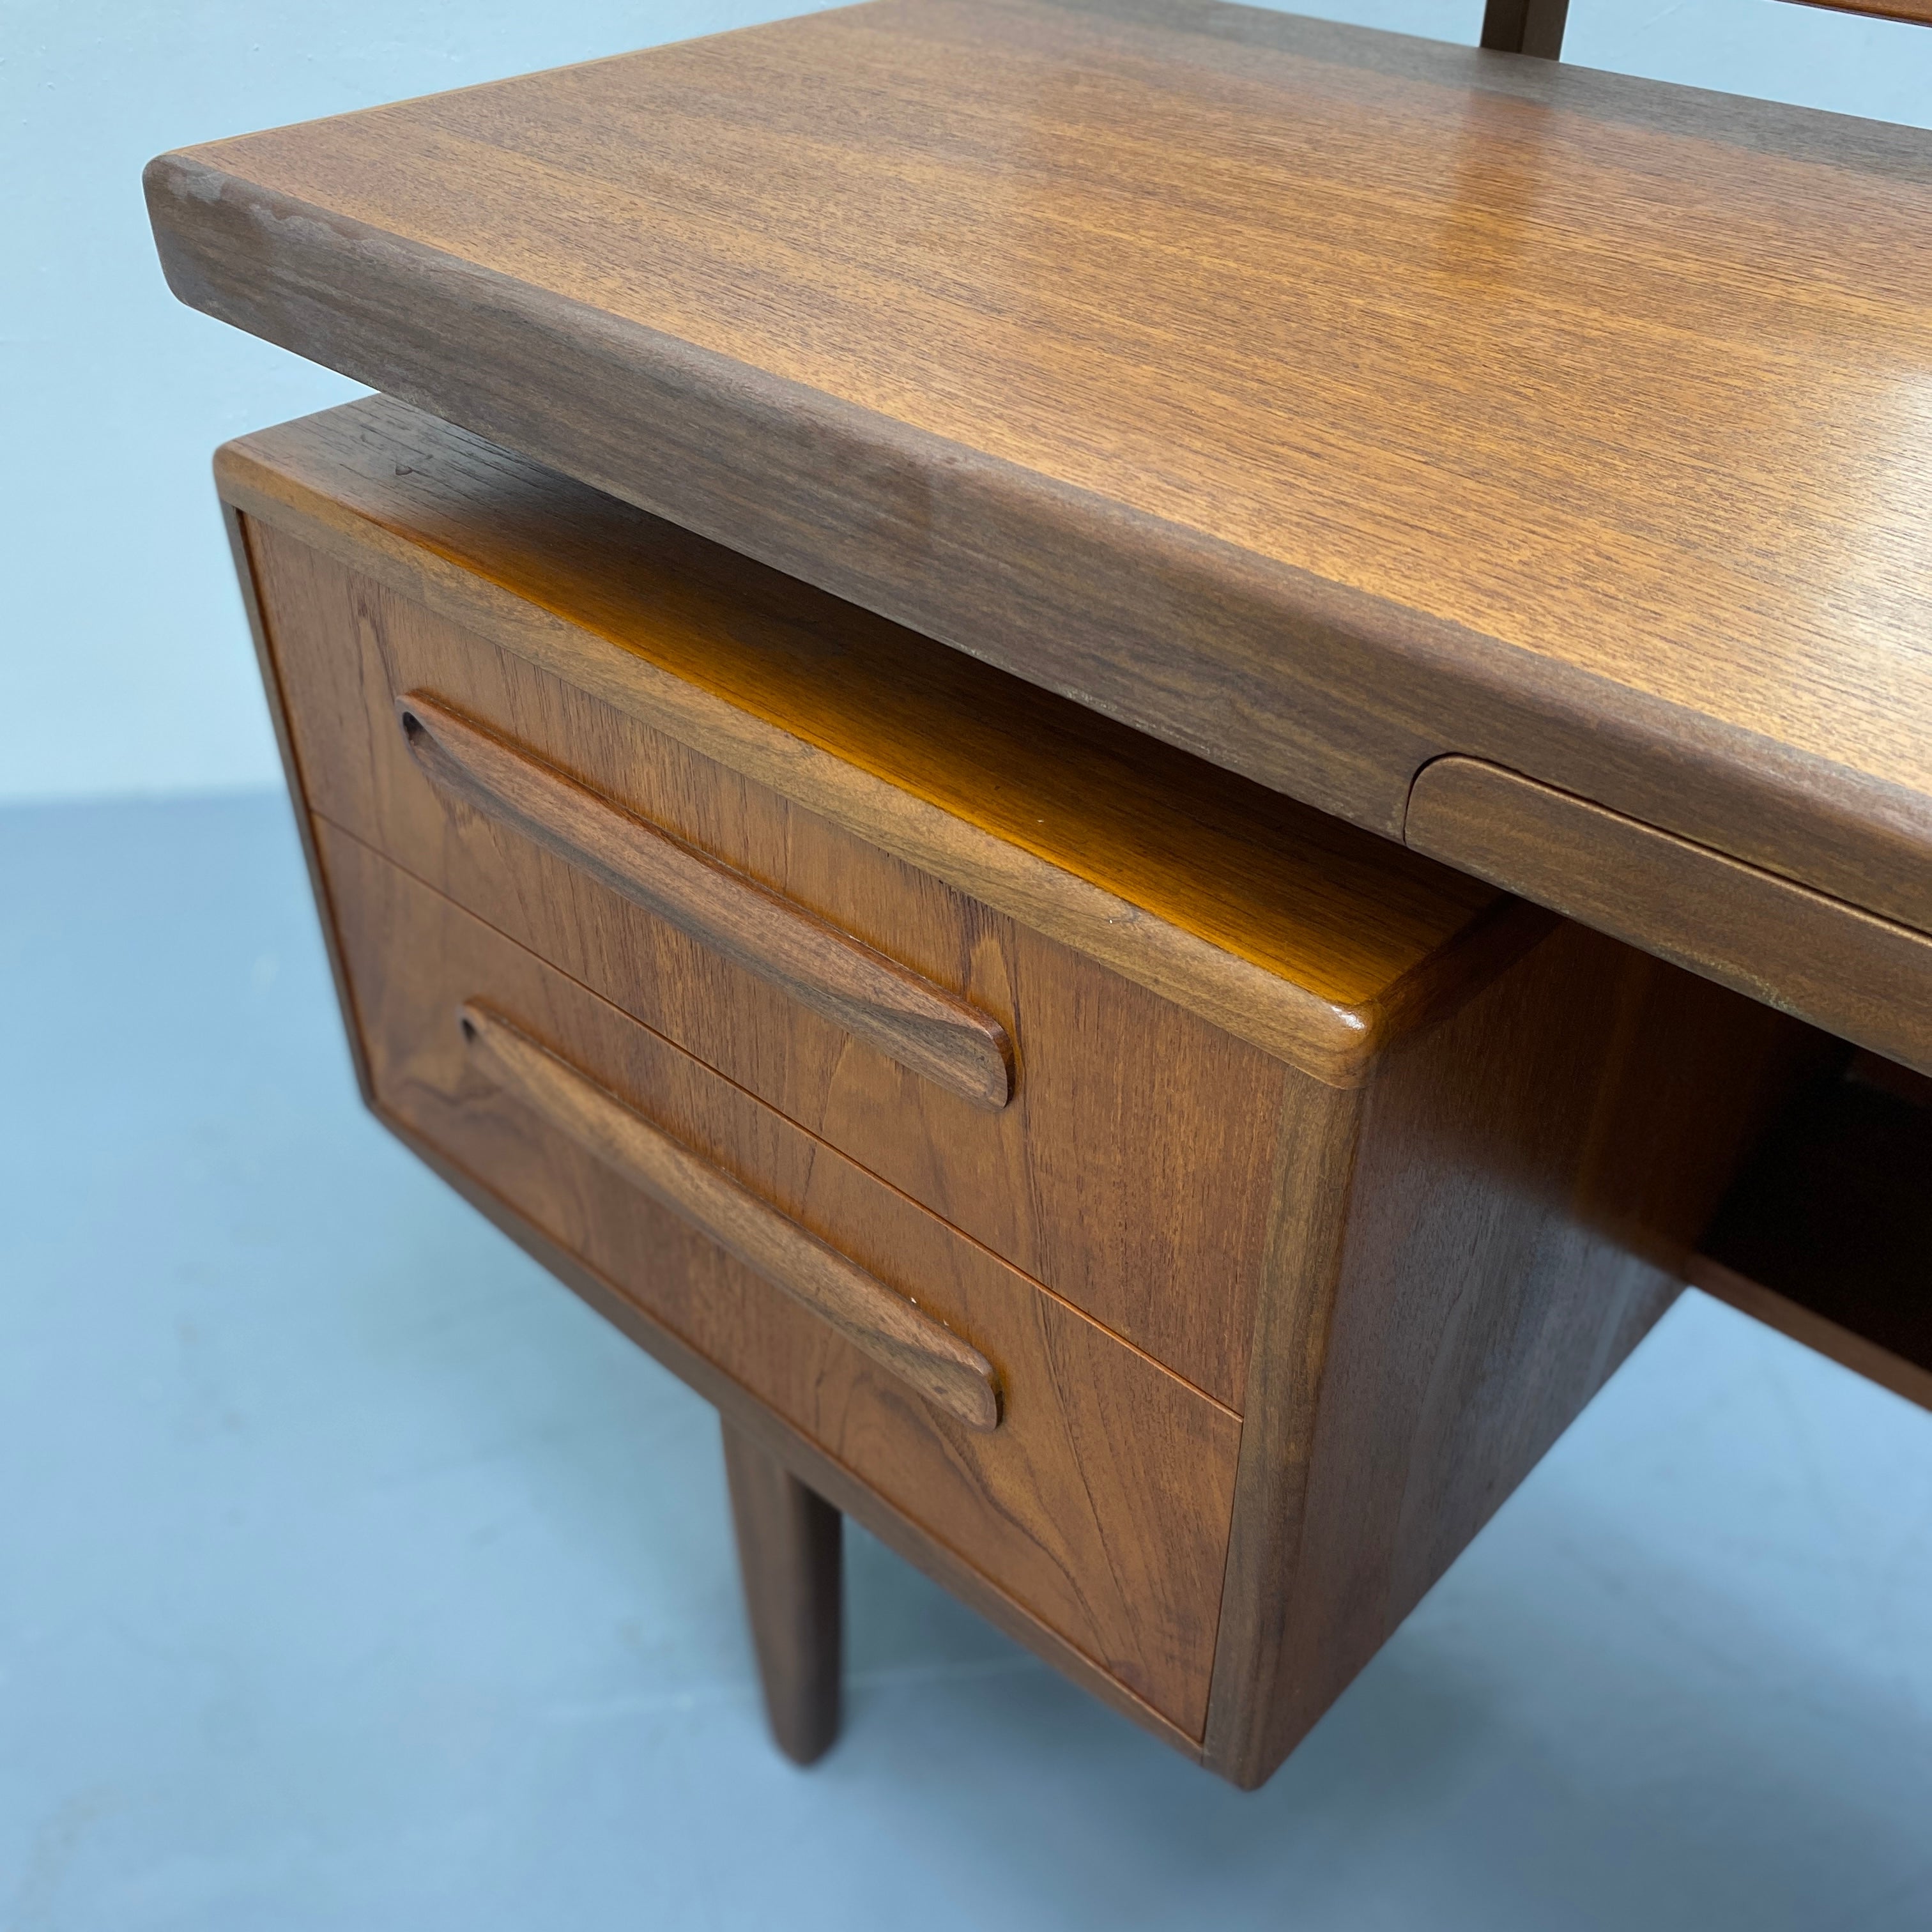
x=352 y=1576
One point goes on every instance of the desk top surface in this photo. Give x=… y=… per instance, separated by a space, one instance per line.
x=1321 y=400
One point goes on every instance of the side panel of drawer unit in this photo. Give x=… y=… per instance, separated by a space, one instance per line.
x=1130 y=1172
x=1102 y=1501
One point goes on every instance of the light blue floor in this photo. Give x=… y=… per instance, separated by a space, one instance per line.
x=353 y=1575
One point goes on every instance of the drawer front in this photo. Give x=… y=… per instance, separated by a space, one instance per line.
x=1095 y=1490
x=1129 y=1171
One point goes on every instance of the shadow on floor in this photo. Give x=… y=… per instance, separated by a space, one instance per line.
x=355 y=1576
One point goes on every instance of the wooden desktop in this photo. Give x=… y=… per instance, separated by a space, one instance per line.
x=1111 y=756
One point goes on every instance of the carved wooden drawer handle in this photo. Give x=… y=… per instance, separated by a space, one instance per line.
x=905 y=1017
x=949 y=1372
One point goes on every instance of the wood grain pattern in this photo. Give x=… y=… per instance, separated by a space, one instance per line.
x=1248 y=1712
x=1130 y=1172
x=779 y=1438
x=1440 y=1261
x=856 y=989
x=248 y=584
x=949 y=1373
x=1465 y=1250
x=1276 y=923
x=790 y=1551
x=1867 y=979
x=1189 y=360
x=752 y=1421
x=1100 y=1505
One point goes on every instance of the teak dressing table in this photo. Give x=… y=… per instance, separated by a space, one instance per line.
x=1111 y=757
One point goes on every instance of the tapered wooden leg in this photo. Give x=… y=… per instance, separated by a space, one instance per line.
x=789 y=1556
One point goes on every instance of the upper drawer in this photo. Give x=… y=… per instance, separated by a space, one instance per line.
x=1148 y=944
x=1866 y=978
x=1129 y=1171
x=1100 y=1500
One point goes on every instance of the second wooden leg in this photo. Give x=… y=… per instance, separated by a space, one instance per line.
x=789 y=1556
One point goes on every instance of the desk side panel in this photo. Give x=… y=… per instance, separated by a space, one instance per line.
x=1510 y=1208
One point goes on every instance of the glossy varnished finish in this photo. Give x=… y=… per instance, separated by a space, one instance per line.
x=889 y=1327
x=1136 y=1154
x=1276 y=923
x=1100 y=1504
x=1391 y=1282
x=909 y=1020
x=1081 y=1180
x=1463 y=1252
x=823 y=1474
x=1319 y=399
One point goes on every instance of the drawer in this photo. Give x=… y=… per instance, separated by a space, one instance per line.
x=1100 y=1502
x=1128 y=1171
x=1863 y=976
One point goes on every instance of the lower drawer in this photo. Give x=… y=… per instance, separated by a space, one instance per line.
x=1101 y=1500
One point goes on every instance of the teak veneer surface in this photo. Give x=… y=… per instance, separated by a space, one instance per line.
x=976 y=771
x=1319 y=399
x=1100 y=1504
x=1129 y=1171
x=789 y=1547
x=1464 y=1250
x=1389 y=1290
